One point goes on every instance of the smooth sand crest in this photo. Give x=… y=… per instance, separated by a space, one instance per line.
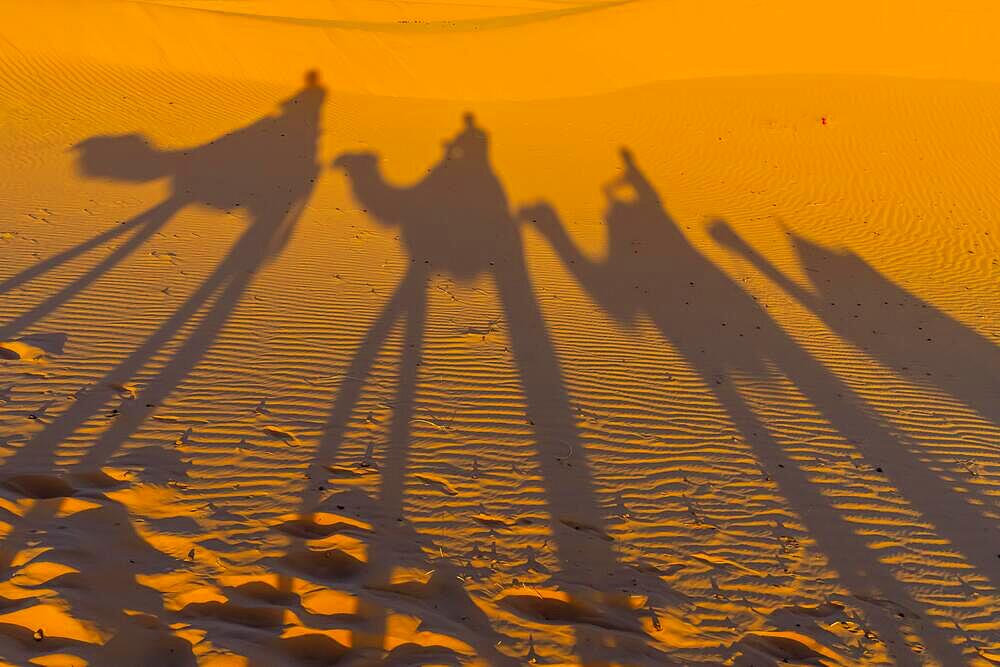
x=321 y=344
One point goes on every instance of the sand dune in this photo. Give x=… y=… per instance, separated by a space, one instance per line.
x=626 y=333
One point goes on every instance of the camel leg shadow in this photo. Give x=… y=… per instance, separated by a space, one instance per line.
x=407 y=302
x=586 y=556
x=68 y=255
x=223 y=290
x=392 y=487
x=148 y=223
x=410 y=289
x=390 y=538
x=856 y=565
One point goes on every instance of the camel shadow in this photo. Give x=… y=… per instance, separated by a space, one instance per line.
x=267 y=168
x=652 y=270
x=904 y=332
x=263 y=168
x=128 y=158
x=456 y=221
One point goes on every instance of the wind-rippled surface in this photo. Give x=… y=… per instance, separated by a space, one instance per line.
x=854 y=521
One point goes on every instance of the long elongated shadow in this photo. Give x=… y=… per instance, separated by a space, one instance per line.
x=652 y=269
x=901 y=330
x=408 y=305
x=70 y=254
x=457 y=221
x=270 y=169
x=394 y=473
x=150 y=222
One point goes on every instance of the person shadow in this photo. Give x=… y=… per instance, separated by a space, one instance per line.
x=457 y=221
x=267 y=168
x=901 y=330
x=651 y=270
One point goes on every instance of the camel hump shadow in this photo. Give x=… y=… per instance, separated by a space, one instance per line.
x=456 y=219
x=263 y=166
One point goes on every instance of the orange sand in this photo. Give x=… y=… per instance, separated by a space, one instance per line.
x=317 y=372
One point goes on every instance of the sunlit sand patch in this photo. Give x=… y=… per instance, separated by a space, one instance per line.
x=37 y=348
x=59 y=660
x=150 y=500
x=183 y=589
x=37 y=573
x=329 y=602
x=405 y=630
x=20 y=351
x=53 y=621
x=319 y=525
x=67 y=507
x=224 y=660
x=26 y=555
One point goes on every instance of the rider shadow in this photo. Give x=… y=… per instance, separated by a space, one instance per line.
x=457 y=221
x=901 y=330
x=652 y=270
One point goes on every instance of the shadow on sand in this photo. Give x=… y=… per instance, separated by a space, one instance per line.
x=457 y=221
x=652 y=270
x=268 y=169
x=901 y=330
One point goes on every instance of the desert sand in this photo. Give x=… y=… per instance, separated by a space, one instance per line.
x=561 y=332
